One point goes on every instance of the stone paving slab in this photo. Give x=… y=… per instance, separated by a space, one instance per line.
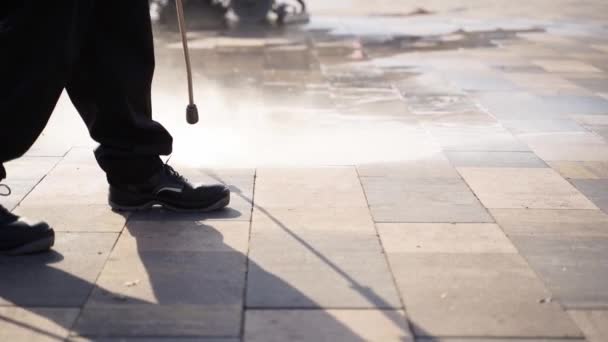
x=495 y=159
x=435 y=165
x=147 y=339
x=318 y=270
x=595 y=189
x=574 y=269
x=63 y=278
x=593 y=323
x=355 y=220
x=444 y=238
x=476 y=295
x=480 y=138
x=78 y=218
x=568 y=146
x=581 y=170
x=309 y=188
x=514 y=188
x=553 y=223
x=36 y=324
x=171 y=278
x=422 y=200
x=326 y=326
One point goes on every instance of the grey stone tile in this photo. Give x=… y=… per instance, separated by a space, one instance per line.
x=470 y=295
x=581 y=169
x=30 y=168
x=574 y=269
x=593 y=323
x=495 y=159
x=476 y=138
x=171 y=277
x=162 y=321
x=309 y=188
x=357 y=220
x=35 y=324
x=557 y=223
x=326 y=326
x=318 y=270
x=477 y=81
x=432 y=166
x=63 y=278
x=524 y=106
x=152 y=339
x=493 y=339
x=595 y=189
x=422 y=200
x=444 y=238
x=19 y=189
x=542 y=126
x=567 y=146
x=513 y=188
x=76 y=217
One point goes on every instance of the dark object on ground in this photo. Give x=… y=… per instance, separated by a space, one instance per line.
x=18 y=237
x=212 y=14
x=171 y=191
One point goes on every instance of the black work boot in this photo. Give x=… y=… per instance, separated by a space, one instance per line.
x=18 y=236
x=170 y=190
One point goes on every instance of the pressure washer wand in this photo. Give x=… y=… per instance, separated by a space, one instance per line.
x=191 y=110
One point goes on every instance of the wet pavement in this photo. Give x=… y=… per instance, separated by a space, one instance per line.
x=398 y=174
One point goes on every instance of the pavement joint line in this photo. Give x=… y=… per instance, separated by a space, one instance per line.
x=408 y=322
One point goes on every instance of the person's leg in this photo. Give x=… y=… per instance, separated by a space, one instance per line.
x=111 y=88
x=38 y=43
x=37 y=46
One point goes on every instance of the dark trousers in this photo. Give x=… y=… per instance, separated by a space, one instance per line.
x=101 y=52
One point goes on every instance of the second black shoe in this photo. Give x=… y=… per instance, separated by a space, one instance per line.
x=18 y=236
x=171 y=191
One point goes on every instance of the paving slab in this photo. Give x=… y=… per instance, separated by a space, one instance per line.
x=63 y=278
x=171 y=277
x=30 y=168
x=36 y=324
x=356 y=220
x=153 y=339
x=524 y=188
x=309 y=188
x=19 y=189
x=495 y=159
x=326 y=325
x=567 y=146
x=444 y=238
x=542 y=126
x=581 y=169
x=575 y=269
x=595 y=189
x=76 y=217
x=545 y=84
x=422 y=200
x=476 y=295
x=433 y=166
x=476 y=138
x=593 y=323
x=318 y=270
x=565 y=65
x=556 y=223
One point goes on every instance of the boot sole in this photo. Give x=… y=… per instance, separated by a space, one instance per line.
x=221 y=204
x=38 y=246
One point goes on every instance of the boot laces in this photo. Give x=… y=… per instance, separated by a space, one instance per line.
x=171 y=171
x=5 y=190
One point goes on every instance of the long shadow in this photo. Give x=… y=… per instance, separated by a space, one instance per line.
x=169 y=275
